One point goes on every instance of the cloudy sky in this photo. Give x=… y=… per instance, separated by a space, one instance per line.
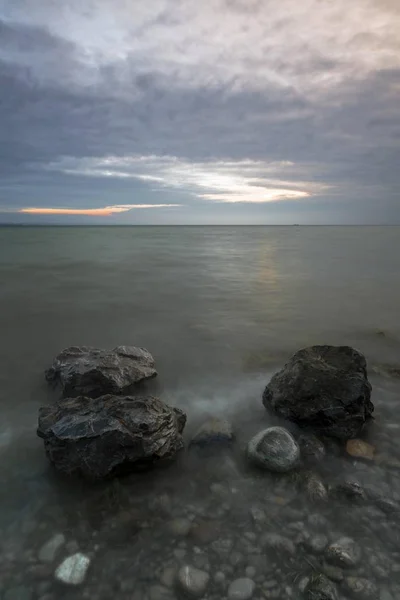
x=188 y=111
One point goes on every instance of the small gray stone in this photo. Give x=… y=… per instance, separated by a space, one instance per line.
x=168 y=577
x=213 y=432
x=343 y=553
x=179 y=553
x=48 y=551
x=358 y=587
x=179 y=527
x=320 y=588
x=250 y=572
x=317 y=543
x=303 y=583
x=73 y=569
x=334 y=573
x=222 y=546
x=19 y=592
x=159 y=592
x=274 y=449
x=219 y=577
x=241 y=589
x=192 y=581
x=275 y=541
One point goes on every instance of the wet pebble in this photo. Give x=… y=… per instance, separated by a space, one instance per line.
x=320 y=588
x=317 y=543
x=241 y=589
x=179 y=527
x=278 y=542
x=49 y=550
x=274 y=449
x=343 y=553
x=19 y=592
x=168 y=576
x=73 y=569
x=358 y=587
x=193 y=581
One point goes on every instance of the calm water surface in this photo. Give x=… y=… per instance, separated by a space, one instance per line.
x=220 y=308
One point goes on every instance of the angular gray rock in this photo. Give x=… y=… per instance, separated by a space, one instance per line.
x=274 y=449
x=86 y=371
x=324 y=388
x=192 y=581
x=102 y=437
x=73 y=569
x=343 y=553
x=320 y=588
x=213 y=432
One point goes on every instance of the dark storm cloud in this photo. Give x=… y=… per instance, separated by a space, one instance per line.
x=229 y=117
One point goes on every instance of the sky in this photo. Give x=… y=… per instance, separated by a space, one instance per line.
x=189 y=112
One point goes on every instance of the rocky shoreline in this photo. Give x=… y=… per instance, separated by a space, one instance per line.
x=288 y=513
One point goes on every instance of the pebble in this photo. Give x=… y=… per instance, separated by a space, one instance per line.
x=48 y=551
x=179 y=527
x=193 y=581
x=168 y=576
x=241 y=589
x=73 y=569
x=344 y=553
x=274 y=449
x=250 y=572
x=19 y=592
x=278 y=542
x=320 y=588
x=358 y=587
x=219 y=577
x=334 y=573
x=159 y=592
x=317 y=543
x=222 y=546
x=179 y=553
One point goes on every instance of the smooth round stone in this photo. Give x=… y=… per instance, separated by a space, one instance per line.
x=193 y=581
x=359 y=587
x=73 y=569
x=274 y=449
x=241 y=589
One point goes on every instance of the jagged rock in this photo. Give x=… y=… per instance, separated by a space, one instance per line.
x=213 y=432
x=101 y=437
x=274 y=449
x=349 y=490
x=86 y=371
x=324 y=388
x=343 y=553
x=320 y=588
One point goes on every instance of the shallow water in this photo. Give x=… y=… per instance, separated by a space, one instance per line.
x=220 y=308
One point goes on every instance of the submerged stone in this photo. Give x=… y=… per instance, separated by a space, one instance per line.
x=274 y=449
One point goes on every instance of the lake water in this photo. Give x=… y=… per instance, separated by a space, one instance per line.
x=221 y=309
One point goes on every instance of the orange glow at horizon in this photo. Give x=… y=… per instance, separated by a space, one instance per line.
x=91 y=212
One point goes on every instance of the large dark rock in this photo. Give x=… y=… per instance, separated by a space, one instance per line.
x=85 y=371
x=324 y=388
x=110 y=435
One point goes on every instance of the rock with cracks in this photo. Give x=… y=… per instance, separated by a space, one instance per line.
x=85 y=371
x=324 y=388
x=106 y=436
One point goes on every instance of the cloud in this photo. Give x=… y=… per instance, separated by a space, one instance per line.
x=221 y=181
x=228 y=104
